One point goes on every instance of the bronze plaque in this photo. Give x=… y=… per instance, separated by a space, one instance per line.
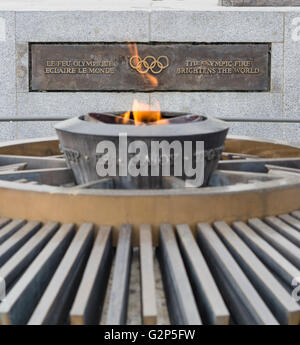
x=149 y=67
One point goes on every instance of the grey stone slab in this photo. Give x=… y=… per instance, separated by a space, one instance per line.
x=216 y=26
x=230 y=2
x=72 y=5
x=184 y=4
x=262 y=130
x=291 y=64
x=7 y=94
x=29 y=129
x=226 y=104
x=65 y=104
x=72 y=104
x=7 y=64
x=291 y=132
x=22 y=67
x=277 y=67
x=8 y=131
x=272 y=3
x=86 y=26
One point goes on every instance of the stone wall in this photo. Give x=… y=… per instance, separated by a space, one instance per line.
x=145 y=21
x=248 y=3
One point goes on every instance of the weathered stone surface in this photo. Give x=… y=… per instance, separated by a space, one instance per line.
x=170 y=21
x=262 y=130
x=8 y=131
x=148 y=67
x=36 y=129
x=186 y=4
x=216 y=26
x=72 y=104
x=224 y=104
x=276 y=67
x=7 y=64
x=255 y=3
x=291 y=65
x=7 y=75
x=85 y=26
x=22 y=70
x=75 y=5
x=291 y=133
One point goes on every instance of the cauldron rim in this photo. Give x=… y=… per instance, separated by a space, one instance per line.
x=78 y=125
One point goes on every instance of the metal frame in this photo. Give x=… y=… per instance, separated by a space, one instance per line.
x=116 y=207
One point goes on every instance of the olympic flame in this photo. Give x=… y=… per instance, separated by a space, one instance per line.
x=147 y=77
x=142 y=112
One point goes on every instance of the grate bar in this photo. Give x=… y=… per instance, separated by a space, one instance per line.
x=267 y=254
x=16 y=265
x=280 y=302
x=57 y=299
x=149 y=310
x=284 y=229
x=295 y=223
x=24 y=296
x=9 y=247
x=88 y=303
x=283 y=245
x=296 y=214
x=180 y=298
x=210 y=302
x=245 y=304
x=10 y=228
x=118 y=302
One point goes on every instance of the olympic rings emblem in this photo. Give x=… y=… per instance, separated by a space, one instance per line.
x=149 y=63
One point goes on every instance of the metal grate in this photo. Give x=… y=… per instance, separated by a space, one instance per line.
x=239 y=274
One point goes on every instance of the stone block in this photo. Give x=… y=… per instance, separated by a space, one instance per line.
x=84 y=26
x=216 y=26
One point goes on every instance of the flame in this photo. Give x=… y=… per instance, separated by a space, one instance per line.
x=147 y=77
x=126 y=116
x=143 y=113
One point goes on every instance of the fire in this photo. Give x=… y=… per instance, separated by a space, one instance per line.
x=147 y=77
x=126 y=117
x=143 y=113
